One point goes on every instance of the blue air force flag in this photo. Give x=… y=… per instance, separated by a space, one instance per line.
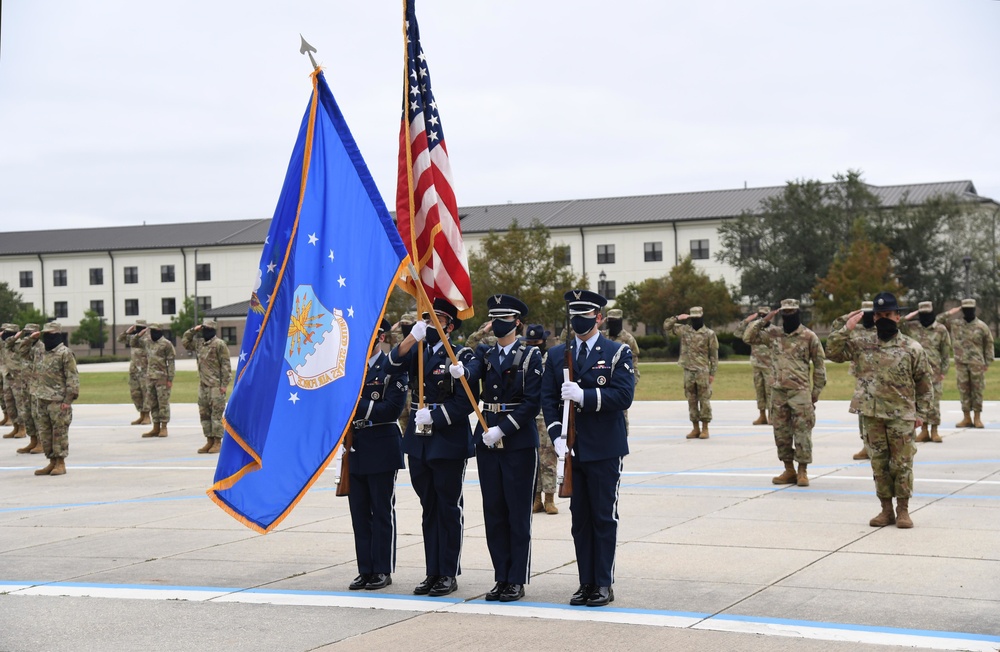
x=325 y=274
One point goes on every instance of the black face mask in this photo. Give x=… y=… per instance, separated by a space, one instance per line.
x=51 y=340
x=614 y=327
x=208 y=333
x=790 y=321
x=582 y=325
x=886 y=328
x=7 y=334
x=868 y=320
x=697 y=323
x=405 y=329
x=926 y=319
x=433 y=336
x=503 y=328
x=155 y=335
x=969 y=314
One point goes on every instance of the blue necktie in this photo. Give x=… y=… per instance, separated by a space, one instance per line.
x=582 y=357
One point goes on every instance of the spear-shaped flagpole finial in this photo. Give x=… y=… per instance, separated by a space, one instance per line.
x=305 y=48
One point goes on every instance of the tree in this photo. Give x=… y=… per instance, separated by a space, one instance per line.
x=30 y=315
x=10 y=304
x=655 y=299
x=184 y=319
x=785 y=247
x=522 y=262
x=91 y=331
x=857 y=274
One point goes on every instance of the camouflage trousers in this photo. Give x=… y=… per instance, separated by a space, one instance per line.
x=158 y=395
x=9 y=406
x=53 y=427
x=891 y=448
x=137 y=389
x=546 y=474
x=25 y=408
x=211 y=405
x=793 y=417
x=971 y=383
x=698 y=392
x=934 y=414
x=762 y=387
x=404 y=418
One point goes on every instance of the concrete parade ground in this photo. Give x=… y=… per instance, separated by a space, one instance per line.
x=126 y=552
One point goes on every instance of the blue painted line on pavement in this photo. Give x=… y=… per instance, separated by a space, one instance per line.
x=859 y=628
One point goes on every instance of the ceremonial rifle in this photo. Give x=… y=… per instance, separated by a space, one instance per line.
x=569 y=418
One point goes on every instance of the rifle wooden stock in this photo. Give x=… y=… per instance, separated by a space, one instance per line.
x=569 y=428
x=344 y=484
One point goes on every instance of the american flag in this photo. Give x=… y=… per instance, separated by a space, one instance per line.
x=426 y=210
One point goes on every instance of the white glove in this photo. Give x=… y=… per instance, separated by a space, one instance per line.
x=492 y=436
x=457 y=370
x=572 y=392
x=423 y=417
x=560 y=446
x=419 y=330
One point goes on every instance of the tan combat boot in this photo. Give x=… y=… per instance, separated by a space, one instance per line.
x=903 y=513
x=38 y=449
x=6 y=419
x=537 y=507
x=923 y=436
x=861 y=454
x=154 y=431
x=216 y=446
x=48 y=469
x=695 y=432
x=704 y=430
x=802 y=479
x=966 y=421
x=977 y=422
x=761 y=420
x=788 y=476
x=207 y=446
x=60 y=468
x=935 y=437
x=163 y=430
x=18 y=428
x=138 y=420
x=886 y=516
x=550 y=504
x=31 y=444
x=144 y=419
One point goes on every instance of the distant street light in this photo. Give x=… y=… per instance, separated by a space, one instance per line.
x=602 y=283
x=967 y=261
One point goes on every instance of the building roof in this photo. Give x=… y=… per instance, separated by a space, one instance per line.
x=573 y=213
x=238 y=309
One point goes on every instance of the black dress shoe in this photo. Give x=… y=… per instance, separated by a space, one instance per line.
x=601 y=596
x=582 y=595
x=424 y=587
x=444 y=586
x=512 y=593
x=359 y=582
x=494 y=594
x=378 y=581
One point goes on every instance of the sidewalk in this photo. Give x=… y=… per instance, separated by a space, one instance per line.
x=126 y=552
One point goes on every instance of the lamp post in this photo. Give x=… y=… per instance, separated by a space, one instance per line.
x=100 y=335
x=602 y=283
x=967 y=261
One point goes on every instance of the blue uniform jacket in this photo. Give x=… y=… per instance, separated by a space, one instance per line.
x=608 y=381
x=377 y=446
x=519 y=384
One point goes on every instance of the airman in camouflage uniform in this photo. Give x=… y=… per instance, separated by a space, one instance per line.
x=214 y=372
x=700 y=359
x=57 y=385
x=616 y=333
x=137 y=370
x=898 y=397
x=397 y=334
x=545 y=486
x=7 y=384
x=973 y=343
x=483 y=335
x=160 y=376
x=760 y=363
x=793 y=413
x=22 y=360
x=936 y=341
x=862 y=372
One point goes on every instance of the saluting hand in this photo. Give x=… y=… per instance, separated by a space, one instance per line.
x=683 y=316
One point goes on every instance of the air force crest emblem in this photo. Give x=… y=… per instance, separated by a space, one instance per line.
x=316 y=347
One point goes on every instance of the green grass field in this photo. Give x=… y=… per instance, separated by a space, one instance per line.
x=661 y=381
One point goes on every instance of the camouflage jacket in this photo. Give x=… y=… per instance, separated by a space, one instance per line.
x=972 y=341
x=791 y=355
x=901 y=386
x=936 y=342
x=161 y=358
x=138 y=360
x=699 y=348
x=626 y=338
x=56 y=377
x=4 y=357
x=23 y=356
x=214 y=366
x=481 y=336
x=760 y=354
x=862 y=364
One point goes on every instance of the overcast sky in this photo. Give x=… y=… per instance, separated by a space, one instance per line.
x=121 y=112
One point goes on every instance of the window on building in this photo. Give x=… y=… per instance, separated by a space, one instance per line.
x=203 y=272
x=652 y=252
x=561 y=255
x=605 y=254
x=131 y=307
x=609 y=290
x=59 y=277
x=97 y=276
x=60 y=309
x=204 y=303
x=166 y=274
x=27 y=279
x=97 y=305
x=699 y=249
x=168 y=306
x=131 y=274
x=749 y=247
x=228 y=334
